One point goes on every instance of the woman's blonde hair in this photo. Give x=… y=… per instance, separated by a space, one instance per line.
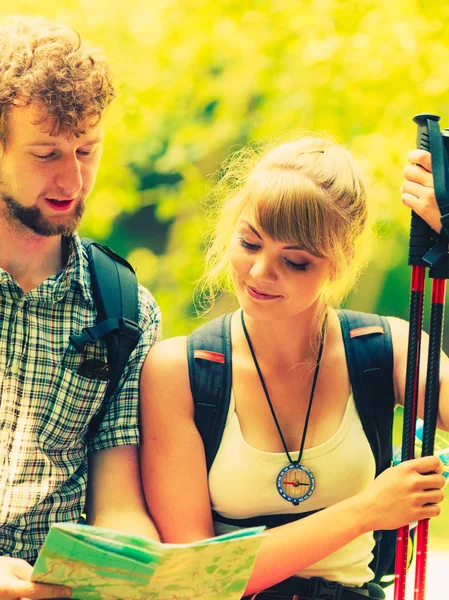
x=310 y=192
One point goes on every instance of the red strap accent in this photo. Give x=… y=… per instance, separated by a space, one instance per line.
x=366 y=330
x=209 y=355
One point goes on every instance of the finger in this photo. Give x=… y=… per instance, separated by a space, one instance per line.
x=427 y=464
x=419 y=175
x=432 y=482
x=411 y=201
x=38 y=591
x=421 y=200
x=19 y=567
x=428 y=511
x=421 y=208
x=433 y=496
x=418 y=190
x=422 y=158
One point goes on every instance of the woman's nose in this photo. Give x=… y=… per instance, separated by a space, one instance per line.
x=263 y=270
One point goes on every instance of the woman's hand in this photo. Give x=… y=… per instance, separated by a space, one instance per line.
x=417 y=191
x=15 y=583
x=403 y=494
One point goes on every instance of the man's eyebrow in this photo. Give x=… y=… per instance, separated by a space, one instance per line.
x=54 y=144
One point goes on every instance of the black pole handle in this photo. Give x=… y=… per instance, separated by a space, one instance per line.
x=440 y=269
x=422 y=236
x=445 y=135
x=422 y=134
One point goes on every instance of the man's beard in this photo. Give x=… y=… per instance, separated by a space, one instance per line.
x=33 y=219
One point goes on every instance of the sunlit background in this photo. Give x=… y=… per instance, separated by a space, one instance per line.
x=197 y=79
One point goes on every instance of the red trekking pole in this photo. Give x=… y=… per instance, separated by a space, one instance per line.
x=426 y=249
x=431 y=410
x=439 y=272
x=421 y=240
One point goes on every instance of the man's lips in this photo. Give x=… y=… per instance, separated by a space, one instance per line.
x=259 y=295
x=60 y=205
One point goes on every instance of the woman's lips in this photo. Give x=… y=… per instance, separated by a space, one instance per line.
x=258 y=295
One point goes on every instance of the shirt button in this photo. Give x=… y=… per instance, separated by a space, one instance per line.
x=14 y=366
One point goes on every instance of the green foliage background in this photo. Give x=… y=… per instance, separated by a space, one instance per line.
x=198 y=78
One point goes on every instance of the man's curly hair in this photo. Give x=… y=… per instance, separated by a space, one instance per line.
x=48 y=64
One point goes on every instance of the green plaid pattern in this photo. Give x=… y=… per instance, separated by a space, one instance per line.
x=46 y=406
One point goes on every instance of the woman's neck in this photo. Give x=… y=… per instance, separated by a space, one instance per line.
x=288 y=342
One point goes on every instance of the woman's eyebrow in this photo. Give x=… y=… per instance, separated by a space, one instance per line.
x=256 y=233
x=295 y=248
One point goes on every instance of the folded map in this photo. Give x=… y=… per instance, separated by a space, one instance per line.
x=101 y=564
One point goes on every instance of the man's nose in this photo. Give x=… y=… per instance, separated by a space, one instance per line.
x=69 y=178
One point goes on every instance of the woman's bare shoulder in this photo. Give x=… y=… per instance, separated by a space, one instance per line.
x=399 y=334
x=168 y=353
x=165 y=372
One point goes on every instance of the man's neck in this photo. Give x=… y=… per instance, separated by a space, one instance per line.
x=29 y=258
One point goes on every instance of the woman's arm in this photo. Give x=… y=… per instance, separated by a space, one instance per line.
x=115 y=497
x=175 y=482
x=173 y=466
x=399 y=332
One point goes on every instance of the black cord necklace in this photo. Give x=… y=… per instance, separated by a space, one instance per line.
x=295 y=483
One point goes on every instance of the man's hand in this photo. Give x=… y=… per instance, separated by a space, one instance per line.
x=15 y=582
x=417 y=190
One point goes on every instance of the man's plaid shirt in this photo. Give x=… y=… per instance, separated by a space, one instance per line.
x=46 y=406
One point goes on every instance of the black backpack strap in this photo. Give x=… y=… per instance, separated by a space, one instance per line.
x=115 y=294
x=369 y=356
x=210 y=372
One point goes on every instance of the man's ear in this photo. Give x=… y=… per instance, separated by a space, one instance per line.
x=2 y=146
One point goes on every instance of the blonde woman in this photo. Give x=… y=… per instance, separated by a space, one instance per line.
x=289 y=239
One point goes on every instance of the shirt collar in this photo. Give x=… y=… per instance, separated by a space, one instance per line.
x=76 y=271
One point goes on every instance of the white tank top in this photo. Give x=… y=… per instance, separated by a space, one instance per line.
x=242 y=483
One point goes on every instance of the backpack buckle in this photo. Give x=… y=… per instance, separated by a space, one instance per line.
x=128 y=328
x=89 y=335
x=322 y=589
x=444 y=210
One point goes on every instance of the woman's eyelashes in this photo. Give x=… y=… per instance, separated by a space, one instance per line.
x=248 y=245
x=294 y=266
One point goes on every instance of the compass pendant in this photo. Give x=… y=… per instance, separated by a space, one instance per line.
x=295 y=483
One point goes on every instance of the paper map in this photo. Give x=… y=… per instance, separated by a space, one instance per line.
x=100 y=564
